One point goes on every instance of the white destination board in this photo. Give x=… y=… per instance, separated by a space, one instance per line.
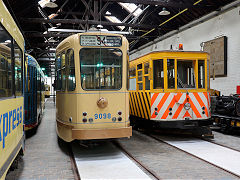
x=99 y=40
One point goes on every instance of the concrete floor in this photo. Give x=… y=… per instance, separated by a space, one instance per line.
x=168 y=162
x=45 y=157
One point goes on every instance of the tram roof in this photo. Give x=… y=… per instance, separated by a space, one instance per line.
x=174 y=53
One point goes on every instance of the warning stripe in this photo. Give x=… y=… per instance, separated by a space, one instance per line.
x=155 y=95
x=187 y=115
x=200 y=102
x=147 y=105
x=140 y=103
x=143 y=104
x=165 y=115
x=136 y=105
x=195 y=111
x=130 y=104
x=178 y=96
x=161 y=103
x=175 y=116
x=206 y=95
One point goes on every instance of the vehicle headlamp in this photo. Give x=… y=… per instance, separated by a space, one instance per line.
x=187 y=106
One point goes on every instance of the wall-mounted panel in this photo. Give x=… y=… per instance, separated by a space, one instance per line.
x=217 y=48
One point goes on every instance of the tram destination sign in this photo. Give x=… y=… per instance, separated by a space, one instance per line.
x=100 y=40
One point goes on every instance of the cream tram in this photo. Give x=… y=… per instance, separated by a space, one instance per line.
x=92 y=101
x=11 y=91
x=170 y=89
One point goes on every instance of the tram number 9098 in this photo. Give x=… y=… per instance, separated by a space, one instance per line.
x=102 y=116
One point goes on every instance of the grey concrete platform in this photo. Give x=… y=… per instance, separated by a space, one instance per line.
x=45 y=157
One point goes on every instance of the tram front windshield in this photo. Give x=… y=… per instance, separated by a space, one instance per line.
x=101 y=68
x=185 y=74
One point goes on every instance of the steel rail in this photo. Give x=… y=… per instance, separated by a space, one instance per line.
x=73 y=163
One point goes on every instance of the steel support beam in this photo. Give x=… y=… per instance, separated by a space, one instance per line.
x=156 y=2
x=78 y=21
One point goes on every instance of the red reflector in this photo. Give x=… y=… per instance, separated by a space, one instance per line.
x=180 y=47
x=84 y=113
x=119 y=113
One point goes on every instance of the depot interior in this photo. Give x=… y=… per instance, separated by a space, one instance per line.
x=148 y=25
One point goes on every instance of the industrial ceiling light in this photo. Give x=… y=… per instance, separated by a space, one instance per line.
x=99 y=26
x=51 y=4
x=164 y=12
x=48 y=3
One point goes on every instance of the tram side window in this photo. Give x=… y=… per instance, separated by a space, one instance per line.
x=171 y=73
x=5 y=64
x=18 y=69
x=201 y=74
x=71 y=70
x=185 y=73
x=140 y=76
x=58 y=73
x=158 y=75
x=63 y=66
x=132 y=79
x=146 y=76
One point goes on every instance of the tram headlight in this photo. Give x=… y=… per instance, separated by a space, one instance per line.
x=187 y=106
x=84 y=120
x=114 y=119
x=119 y=119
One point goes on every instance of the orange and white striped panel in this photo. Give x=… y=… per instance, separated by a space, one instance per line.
x=170 y=106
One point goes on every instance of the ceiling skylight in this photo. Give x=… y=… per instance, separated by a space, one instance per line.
x=130 y=7
x=114 y=19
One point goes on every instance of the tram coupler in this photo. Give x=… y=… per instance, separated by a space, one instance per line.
x=203 y=132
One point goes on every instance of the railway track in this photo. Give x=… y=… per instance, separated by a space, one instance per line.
x=184 y=147
x=115 y=148
x=147 y=169
x=107 y=160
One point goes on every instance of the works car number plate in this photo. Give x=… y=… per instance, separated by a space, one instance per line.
x=103 y=116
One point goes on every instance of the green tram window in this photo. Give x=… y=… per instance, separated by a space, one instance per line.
x=201 y=74
x=101 y=68
x=171 y=73
x=158 y=74
x=186 y=74
x=71 y=70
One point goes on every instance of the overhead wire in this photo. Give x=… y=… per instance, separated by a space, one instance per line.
x=166 y=21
